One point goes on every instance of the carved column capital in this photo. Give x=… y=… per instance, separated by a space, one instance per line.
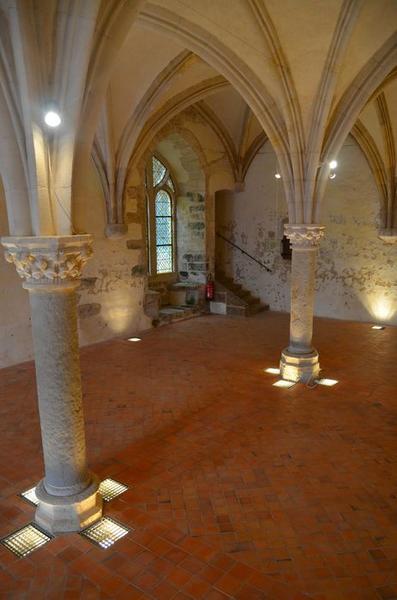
x=388 y=236
x=48 y=261
x=304 y=236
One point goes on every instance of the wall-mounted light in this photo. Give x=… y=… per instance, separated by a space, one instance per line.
x=333 y=164
x=52 y=118
x=277 y=175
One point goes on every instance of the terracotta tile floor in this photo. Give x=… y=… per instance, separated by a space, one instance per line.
x=238 y=489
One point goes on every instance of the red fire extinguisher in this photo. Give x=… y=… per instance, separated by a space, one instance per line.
x=210 y=288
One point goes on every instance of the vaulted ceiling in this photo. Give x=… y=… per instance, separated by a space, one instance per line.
x=121 y=69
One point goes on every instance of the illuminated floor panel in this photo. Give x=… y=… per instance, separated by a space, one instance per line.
x=110 y=489
x=26 y=540
x=105 y=532
x=283 y=383
x=327 y=382
x=30 y=496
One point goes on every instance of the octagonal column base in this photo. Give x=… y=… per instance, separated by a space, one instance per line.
x=299 y=367
x=67 y=514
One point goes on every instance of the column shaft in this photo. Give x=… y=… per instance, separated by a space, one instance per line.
x=299 y=362
x=55 y=338
x=302 y=299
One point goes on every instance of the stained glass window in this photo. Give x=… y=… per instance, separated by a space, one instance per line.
x=161 y=214
x=163 y=210
x=159 y=171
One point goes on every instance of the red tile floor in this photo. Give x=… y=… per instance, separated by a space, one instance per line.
x=238 y=489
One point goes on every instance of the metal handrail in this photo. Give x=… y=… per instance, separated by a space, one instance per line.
x=243 y=251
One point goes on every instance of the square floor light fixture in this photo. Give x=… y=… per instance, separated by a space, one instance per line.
x=272 y=371
x=110 y=489
x=105 y=532
x=30 y=496
x=328 y=382
x=26 y=540
x=283 y=383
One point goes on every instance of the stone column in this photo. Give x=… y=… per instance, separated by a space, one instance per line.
x=51 y=268
x=299 y=362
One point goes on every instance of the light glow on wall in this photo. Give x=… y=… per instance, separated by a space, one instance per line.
x=333 y=164
x=383 y=308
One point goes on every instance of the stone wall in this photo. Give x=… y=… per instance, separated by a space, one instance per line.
x=191 y=236
x=112 y=292
x=356 y=272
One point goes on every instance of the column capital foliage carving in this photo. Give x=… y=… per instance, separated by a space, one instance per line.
x=48 y=260
x=304 y=236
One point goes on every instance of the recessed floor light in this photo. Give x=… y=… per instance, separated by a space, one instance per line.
x=327 y=382
x=26 y=540
x=283 y=383
x=272 y=371
x=110 y=489
x=30 y=496
x=377 y=327
x=134 y=339
x=105 y=532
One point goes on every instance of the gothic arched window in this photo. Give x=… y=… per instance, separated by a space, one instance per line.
x=161 y=218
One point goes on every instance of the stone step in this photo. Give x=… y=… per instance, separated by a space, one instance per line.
x=254 y=309
x=238 y=311
x=251 y=304
x=169 y=314
x=253 y=300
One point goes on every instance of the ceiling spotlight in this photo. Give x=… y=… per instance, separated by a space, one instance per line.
x=332 y=175
x=277 y=176
x=333 y=164
x=52 y=119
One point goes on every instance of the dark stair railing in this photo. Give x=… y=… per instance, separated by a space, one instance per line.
x=243 y=251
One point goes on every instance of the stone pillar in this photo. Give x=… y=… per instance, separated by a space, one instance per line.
x=299 y=362
x=51 y=268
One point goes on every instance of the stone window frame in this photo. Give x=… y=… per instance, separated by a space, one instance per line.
x=151 y=193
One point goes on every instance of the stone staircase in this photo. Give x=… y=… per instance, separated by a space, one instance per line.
x=170 y=313
x=232 y=298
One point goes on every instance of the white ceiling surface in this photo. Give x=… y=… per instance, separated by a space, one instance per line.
x=133 y=76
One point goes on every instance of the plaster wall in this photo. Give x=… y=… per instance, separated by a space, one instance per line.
x=356 y=272
x=111 y=294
